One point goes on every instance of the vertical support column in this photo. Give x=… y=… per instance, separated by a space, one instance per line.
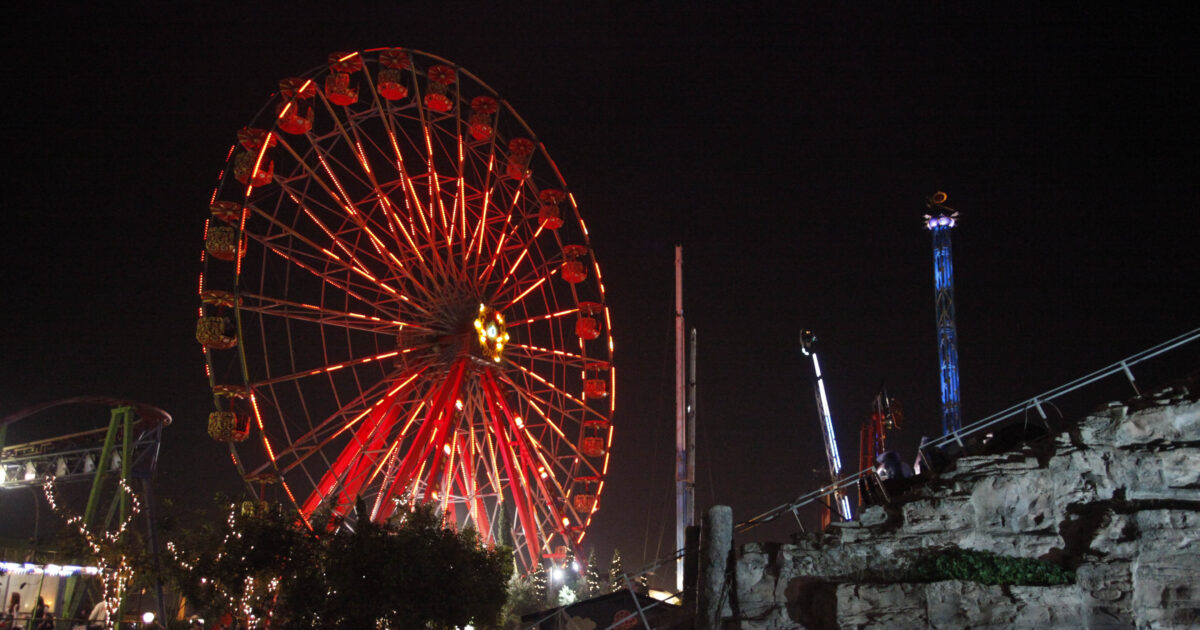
x=126 y=458
x=690 y=511
x=680 y=422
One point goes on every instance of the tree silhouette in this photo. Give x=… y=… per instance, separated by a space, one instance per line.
x=416 y=573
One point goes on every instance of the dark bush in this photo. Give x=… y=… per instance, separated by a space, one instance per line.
x=986 y=567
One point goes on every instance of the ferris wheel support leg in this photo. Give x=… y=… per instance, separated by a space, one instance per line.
x=531 y=464
x=506 y=456
x=474 y=501
x=433 y=418
x=366 y=445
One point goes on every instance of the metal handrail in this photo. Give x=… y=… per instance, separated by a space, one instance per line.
x=1122 y=366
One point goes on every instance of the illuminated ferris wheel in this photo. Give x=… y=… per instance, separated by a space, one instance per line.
x=399 y=304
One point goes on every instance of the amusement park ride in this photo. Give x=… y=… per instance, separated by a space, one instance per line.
x=939 y=224
x=841 y=504
x=886 y=414
x=114 y=459
x=399 y=304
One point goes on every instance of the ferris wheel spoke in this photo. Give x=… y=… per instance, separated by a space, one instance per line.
x=520 y=257
x=373 y=183
x=487 y=446
x=534 y=447
x=317 y=254
x=436 y=202
x=477 y=234
x=341 y=197
x=303 y=202
x=373 y=458
x=549 y=355
x=392 y=461
x=503 y=236
x=536 y=403
x=524 y=293
x=346 y=287
x=551 y=386
x=411 y=199
x=287 y=309
x=325 y=369
x=541 y=318
x=468 y=482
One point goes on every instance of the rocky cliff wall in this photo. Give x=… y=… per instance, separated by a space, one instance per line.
x=1116 y=499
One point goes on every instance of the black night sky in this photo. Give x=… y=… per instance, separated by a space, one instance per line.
x=790 y=151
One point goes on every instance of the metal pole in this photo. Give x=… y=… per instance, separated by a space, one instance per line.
x=681 y=476
x=126 y=460
x=690 y=514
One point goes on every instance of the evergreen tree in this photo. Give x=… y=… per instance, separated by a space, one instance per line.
x=539 y=582
x=570 y=574
x=643 y=583
x=591 y=582
x=522 y=600
x=616 y=573
x=503 y=534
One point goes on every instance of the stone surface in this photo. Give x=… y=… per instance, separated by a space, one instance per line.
x=715 y=540
x=1116 y=498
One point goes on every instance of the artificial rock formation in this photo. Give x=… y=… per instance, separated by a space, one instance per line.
x=1116 y=499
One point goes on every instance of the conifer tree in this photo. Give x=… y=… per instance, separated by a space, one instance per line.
x=503 y=535
x=616 y=572
x=591 y=582
x=570 y=575
x=539 y=582
x=643 y=583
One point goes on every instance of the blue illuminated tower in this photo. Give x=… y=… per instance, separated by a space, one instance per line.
x=940 y=223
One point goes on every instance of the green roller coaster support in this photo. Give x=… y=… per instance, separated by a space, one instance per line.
x=126 y=457
x=121 y=421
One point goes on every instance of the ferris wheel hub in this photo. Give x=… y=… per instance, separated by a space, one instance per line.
x=492 y=332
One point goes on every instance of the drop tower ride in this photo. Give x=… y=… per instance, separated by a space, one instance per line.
x=939 y=223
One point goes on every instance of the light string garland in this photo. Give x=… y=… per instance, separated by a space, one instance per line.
x=113 y=579
x=242 y=604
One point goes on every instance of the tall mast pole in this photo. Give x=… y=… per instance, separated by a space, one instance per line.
x=690 y=513
x=939 y=224
x=681 y=476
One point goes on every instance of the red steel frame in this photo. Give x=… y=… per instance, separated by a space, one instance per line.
x=381 y=230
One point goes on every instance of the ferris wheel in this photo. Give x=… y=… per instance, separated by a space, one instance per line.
x=400 y=305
